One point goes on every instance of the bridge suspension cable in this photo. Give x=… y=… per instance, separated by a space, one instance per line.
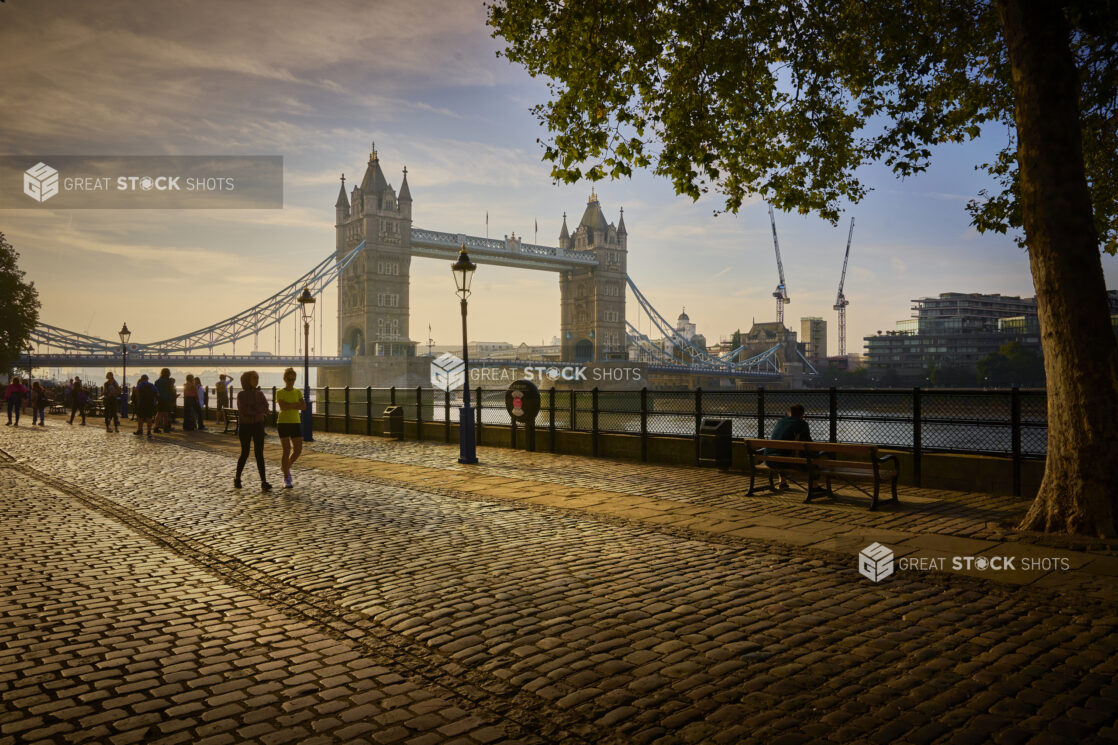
x=250 y=322
x=665 y=328
x=766 y=361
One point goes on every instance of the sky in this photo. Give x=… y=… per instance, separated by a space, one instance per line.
x=318 y=82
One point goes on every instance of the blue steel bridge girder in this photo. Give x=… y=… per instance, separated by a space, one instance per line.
x=764 y=362
x=434 y=244
x=259 y=317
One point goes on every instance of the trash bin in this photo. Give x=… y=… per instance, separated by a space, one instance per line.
x=715 y=443
x=394 y=422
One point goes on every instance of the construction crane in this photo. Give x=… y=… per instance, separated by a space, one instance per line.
x=781 y=293
x=841 y=302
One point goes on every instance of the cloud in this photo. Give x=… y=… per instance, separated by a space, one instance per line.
x=122 y=79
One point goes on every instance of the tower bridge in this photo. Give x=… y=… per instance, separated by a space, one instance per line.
x=375 y=242
x=374 y=290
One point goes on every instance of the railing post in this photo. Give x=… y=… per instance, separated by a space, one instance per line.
x=644 y=424
x=418 y=412
x=477 y=427
x=1015 y=436
x=326 y=409
x=574 y=411
x=347 y=409
x=392 y=395
x=832 y=401
x=446 y=414
x=698 y=422
x=760 y=412
x=917 y=437
x=368 y=410
x=551 y=418
x=594 y=422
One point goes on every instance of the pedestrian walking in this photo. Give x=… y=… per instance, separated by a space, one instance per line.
x=174 y=404
x=110 y=397
x=39 y=401
x=144 y=401
x=189 y=392
x=252 y=409
x=164 y=385
x=222 y=397
x=78 y=399
x=200 y=402
x=290 y=402
x=14 y=395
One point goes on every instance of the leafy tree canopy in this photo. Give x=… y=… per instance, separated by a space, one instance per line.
x=788 y=100
x=1013 y=364
x=19 y=307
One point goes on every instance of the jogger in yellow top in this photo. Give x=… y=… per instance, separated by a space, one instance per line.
x=290 y=402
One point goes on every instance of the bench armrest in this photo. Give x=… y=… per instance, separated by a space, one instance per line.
x=890 y=458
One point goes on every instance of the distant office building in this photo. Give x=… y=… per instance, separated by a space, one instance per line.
x=813 y=333
x=953 y=332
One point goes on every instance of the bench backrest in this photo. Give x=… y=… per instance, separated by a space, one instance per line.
x=842 y=448
x=799 y=449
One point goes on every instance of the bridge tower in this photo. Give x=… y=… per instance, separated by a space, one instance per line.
x=373 y=290
x=593 y=298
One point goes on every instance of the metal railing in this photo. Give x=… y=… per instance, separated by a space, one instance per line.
x=987 y=422
x=1005 y=422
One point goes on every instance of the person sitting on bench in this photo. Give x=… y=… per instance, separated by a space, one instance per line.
x=791 y=427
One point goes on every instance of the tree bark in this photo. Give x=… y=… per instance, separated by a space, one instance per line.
x=1079 y=492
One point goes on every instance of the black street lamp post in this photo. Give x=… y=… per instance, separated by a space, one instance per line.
x=125 y=335
x=306 y=308
x=463 y=270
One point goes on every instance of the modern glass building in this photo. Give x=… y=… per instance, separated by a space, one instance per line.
x=953 y=331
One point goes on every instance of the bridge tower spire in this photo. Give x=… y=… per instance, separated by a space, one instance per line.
x=342 y=205
x=593 y=297
x=373 y=291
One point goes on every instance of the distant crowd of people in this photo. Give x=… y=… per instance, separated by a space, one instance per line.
x=155 y=405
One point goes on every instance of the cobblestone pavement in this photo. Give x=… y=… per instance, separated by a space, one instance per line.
x=147 y=600
x=941 y=511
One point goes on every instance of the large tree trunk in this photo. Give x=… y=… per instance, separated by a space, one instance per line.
x=1080 y=487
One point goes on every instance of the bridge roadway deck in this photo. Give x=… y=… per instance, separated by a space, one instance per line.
x=396 y=596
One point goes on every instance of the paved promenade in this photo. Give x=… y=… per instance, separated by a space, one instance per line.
x=394 y=596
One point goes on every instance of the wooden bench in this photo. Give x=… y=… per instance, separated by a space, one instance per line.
x=231 y=416
x=825 y=461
